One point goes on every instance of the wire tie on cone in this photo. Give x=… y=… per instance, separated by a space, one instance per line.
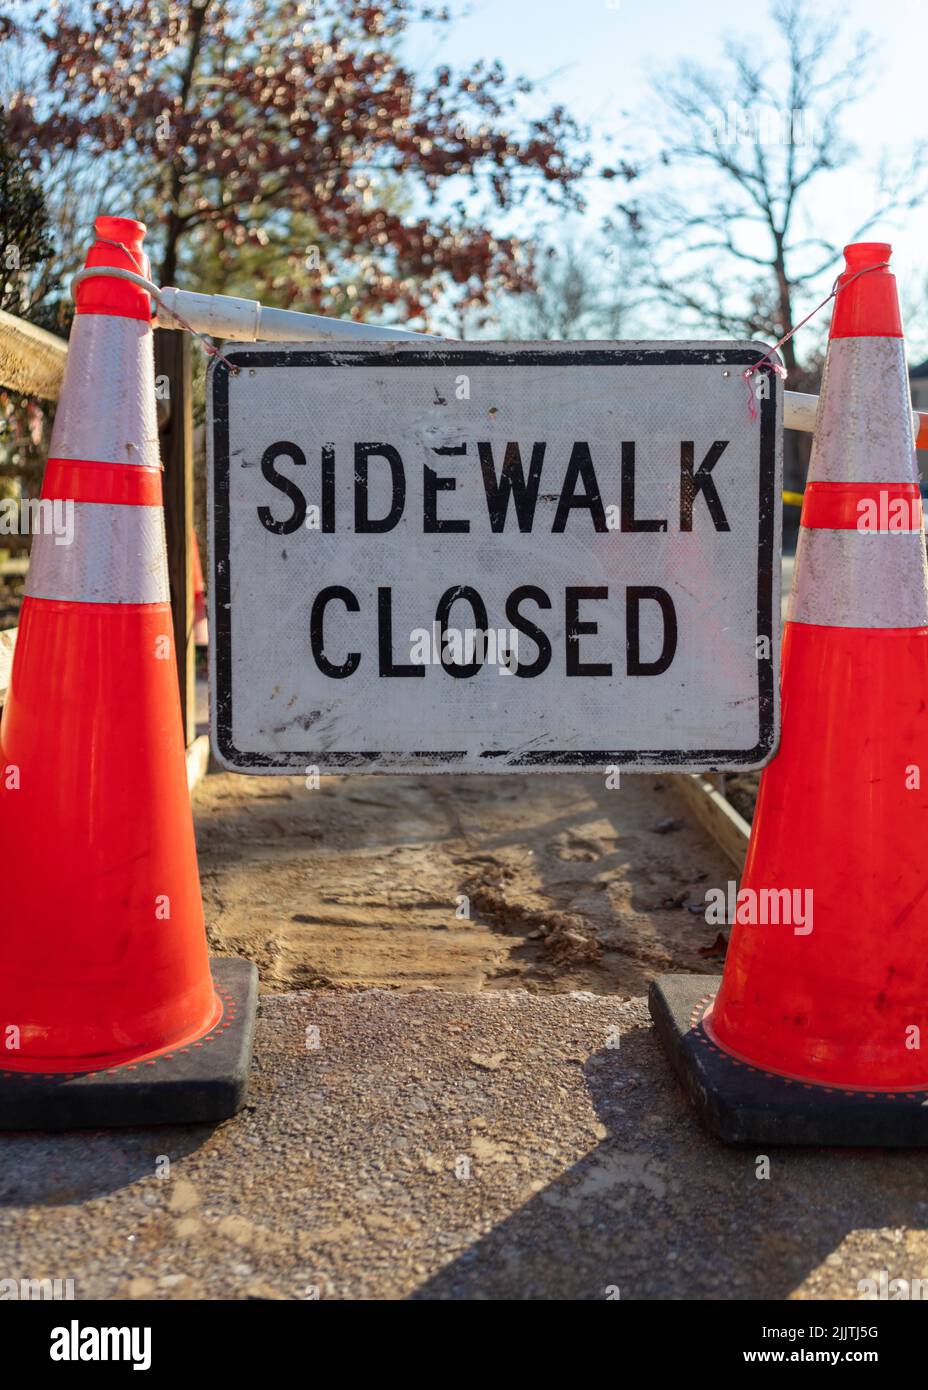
x=836 y=289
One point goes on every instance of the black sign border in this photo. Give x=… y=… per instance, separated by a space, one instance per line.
x=707 y=759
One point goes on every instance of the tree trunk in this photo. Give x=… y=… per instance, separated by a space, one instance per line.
x=168 y=271
x=795 y=458
x=175 y=225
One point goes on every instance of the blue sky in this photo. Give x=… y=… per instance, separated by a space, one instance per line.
x=599 y=57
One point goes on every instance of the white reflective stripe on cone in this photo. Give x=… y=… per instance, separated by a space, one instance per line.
x=106 y=410
x=117 y=555
x=860 y=579
x=863 y=431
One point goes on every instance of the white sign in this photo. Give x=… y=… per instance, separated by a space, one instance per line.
x=493 y=556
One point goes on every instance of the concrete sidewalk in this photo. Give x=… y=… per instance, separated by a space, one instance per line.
x=437 y=1145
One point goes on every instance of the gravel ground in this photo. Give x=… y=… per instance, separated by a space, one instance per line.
x=445 y=1145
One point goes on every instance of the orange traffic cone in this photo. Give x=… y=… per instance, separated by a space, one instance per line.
x=108 y=1011
x=818 y=1030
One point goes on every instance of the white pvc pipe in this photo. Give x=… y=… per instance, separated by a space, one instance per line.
x=799 y=411
x=221 y=315
x=285 y=325
x=247 y=321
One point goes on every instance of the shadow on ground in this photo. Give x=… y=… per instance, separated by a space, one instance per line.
x=52 y=1170
x=438 y=1145
x=661 y=1210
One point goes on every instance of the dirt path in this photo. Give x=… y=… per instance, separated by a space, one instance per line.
x=364 y=882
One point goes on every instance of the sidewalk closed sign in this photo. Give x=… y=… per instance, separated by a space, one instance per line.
x=494 y=556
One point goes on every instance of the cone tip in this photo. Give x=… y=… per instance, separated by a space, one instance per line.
x=124 y=229
x=118 y=244
x=862 y=255
x=867 y=305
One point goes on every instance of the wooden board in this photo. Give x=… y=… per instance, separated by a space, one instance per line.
x=173 y=362
x=31 y=360
x=717 y=815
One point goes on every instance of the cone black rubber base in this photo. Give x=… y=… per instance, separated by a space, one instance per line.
x=744 y=1105
x=202 y=1082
